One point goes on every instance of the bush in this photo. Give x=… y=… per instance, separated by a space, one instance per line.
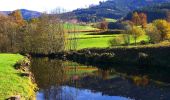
x=143 y=42
x=116 y=41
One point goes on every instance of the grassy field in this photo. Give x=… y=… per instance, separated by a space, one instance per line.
x=11 y=83
x=85 y=40
x=110 y=20
x=77 y=27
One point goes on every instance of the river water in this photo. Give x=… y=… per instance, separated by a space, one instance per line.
x=65 y=80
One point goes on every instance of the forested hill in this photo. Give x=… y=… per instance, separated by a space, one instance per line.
x=27 y=14
x=158 y=11
x=115 y=9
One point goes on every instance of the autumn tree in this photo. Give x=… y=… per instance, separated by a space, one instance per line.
x=163 y=28
x=104 y=25
x=9 y=31
x=168 y=16
x=143 y=20
x=139 y=19
x=17 y=17
x=136 y=18
x=44 y=36
x=153 y=33
x=136 y=32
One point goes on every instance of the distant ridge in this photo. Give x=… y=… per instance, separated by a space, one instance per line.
x=27 y=14
x=157 y=11
x=115 y=9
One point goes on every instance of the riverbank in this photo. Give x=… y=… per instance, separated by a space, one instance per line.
x=141 y=56
x=144 y=60
x=12 y=83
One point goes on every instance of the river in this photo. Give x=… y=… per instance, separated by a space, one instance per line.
x=66 y=80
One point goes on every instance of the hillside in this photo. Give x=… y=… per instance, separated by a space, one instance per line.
x=27 y=14
x=158 y=11
x=114 y=9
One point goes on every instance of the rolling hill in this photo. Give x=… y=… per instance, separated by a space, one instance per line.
x=114 y=9
x=157 y=11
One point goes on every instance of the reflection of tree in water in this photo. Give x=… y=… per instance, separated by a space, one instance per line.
x=108 y=83
x=104 y=74
x=50 y=75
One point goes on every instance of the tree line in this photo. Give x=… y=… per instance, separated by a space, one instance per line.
x=43 y=35
x=156 y=31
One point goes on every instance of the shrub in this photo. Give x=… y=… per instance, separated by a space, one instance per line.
x=116 y=41
x=143 y=42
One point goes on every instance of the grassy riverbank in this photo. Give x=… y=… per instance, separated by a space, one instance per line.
x=11 y=83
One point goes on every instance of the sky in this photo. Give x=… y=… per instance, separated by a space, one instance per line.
x=44 y=5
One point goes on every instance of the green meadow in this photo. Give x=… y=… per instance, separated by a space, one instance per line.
x=86 y=40
x=77 y=27
x=11 y=83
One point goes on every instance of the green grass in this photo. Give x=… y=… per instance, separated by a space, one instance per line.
x=93 y=42
x=84 y=40
x=110 y=20
x=10 y=81
x=72 y=27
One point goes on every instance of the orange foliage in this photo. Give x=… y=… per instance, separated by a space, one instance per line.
x=136 y=18
x=139 y=19
x=143 y=20
x=17 y=17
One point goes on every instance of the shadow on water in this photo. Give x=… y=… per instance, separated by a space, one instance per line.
x=64 y=80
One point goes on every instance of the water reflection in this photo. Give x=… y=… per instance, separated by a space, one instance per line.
x=60 y=80
x=48 y=73
x=71 y=93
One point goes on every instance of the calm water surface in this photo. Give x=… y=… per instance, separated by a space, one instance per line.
x=63 y=80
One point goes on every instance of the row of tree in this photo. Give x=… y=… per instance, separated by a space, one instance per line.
x=42 y=35
x=157 y=31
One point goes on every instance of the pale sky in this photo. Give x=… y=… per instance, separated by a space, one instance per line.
x=44 y=5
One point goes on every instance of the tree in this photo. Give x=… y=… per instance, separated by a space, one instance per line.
x=163 y=28
x=168 y=16
x=136 y=32
x=17 y=17
x=143 y=19
x=104 y=25
x=8 y=31
x=139 y=19
x=136 y=18
x=153 y=33
x=127 y=32
x=46 y=36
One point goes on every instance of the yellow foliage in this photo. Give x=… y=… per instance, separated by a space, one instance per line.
x=163 y=27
